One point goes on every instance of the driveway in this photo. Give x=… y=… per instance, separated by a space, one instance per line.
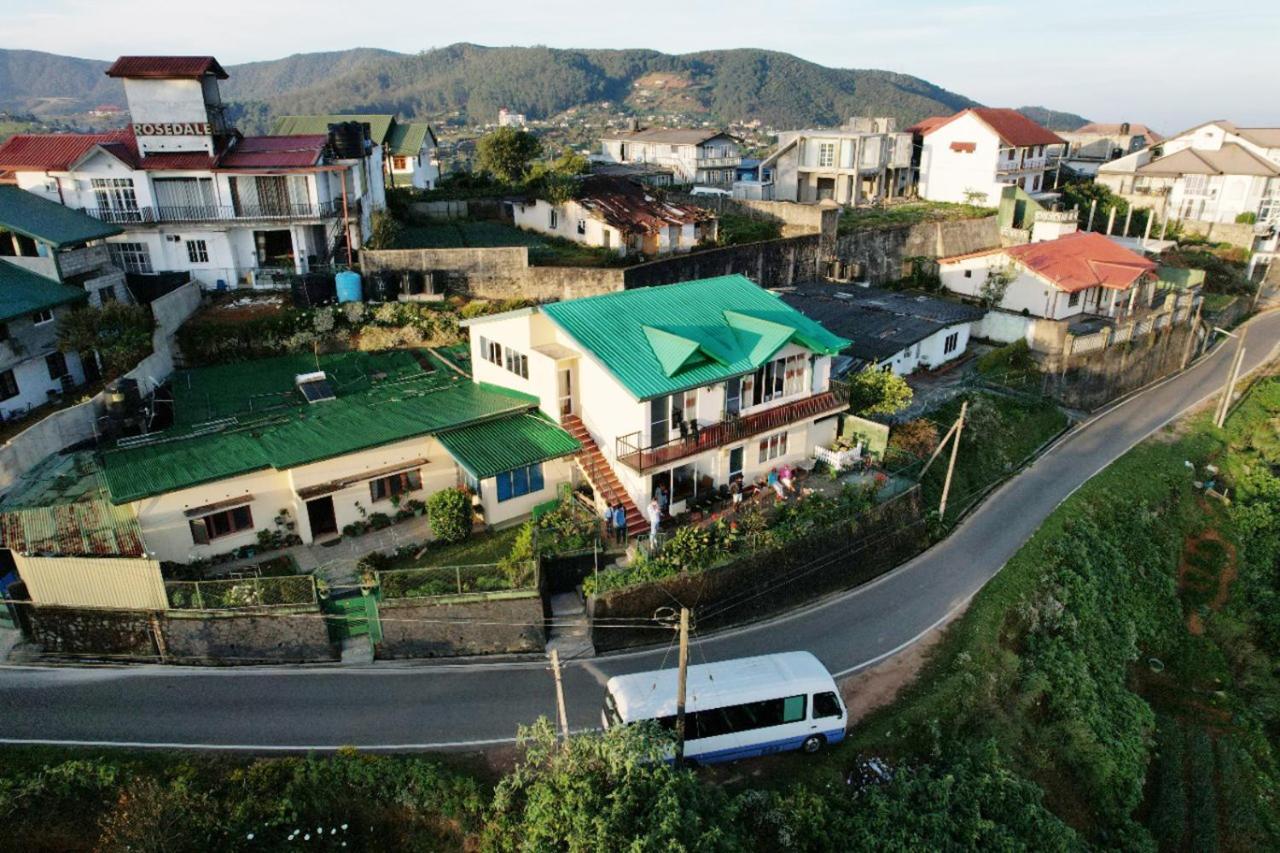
x=441 y=705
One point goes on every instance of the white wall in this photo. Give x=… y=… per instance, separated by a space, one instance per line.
x=930 y=352
x=500 y=513
x=947 y=175
x=537 y=217
x=168 y=101
x=1026 y=292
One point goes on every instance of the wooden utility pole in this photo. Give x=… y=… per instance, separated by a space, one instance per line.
x=937 y=450
x=564 y=717
x=1191 y=336
x=951 y=466
x=1232 y=375
x=1093 y=208
x=682 y=680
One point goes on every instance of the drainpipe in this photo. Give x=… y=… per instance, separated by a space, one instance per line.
x=346 y=222
x=57 y=183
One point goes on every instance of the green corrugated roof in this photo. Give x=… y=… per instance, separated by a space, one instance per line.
x=283 y=432
x=407 y=138
x=658 y=340
x=1179 y=278
x=49 y=222
x=491 y=447
x=319 y=124
x=23 y=292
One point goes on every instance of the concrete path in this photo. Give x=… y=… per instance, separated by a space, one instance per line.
x=443 y=705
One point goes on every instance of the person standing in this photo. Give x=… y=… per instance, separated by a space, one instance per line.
x=664 y=500
x=655 y=518
x=735 y=492
x=620 y=524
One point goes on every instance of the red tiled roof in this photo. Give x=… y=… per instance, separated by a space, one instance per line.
x=52 y=151
x=927 y=124
x=1082 y=260
x=274 y=152
x=1011 y=126
x=166 y=67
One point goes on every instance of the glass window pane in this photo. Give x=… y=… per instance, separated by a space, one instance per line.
x=536 y=483
x=504 y=485
x=793 y=709
x=825 y=705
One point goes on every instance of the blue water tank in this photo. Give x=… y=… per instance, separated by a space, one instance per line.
x=349 y=289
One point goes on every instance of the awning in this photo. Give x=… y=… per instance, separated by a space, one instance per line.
x=504 y=444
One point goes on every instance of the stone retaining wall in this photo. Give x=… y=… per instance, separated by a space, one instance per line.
x=449 y=626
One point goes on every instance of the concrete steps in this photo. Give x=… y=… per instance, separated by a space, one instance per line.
x=600 y=474
x=570 y=633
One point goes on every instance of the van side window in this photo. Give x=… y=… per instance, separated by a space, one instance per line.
x=825 y=705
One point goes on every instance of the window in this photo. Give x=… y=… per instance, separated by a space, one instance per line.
x=949 y=345
x=825 y=705
x=773 y=446
x=399 y=163
x=1195 y=184
x=57 y=364
x=777 y=378
x=41 y=317
x=491 y=351
x=106 y=294
x=553 y=218
x=520 y=481
x=209 y=527
x=826 y=154
x=8 y=385
x=115 y=199
x=1035 y=184
x=968 y=273
x=397 y=484
x=197 y=251
x=131 y=257
x=517 y=363
x=582 y=226
x=1074 y=299
x=713 y=722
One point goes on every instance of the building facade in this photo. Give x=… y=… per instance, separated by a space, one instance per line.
x=694 y=156
x=863 y=161
x=192 y=194
x=972 y=155
x=683 y=387
x=409 y=151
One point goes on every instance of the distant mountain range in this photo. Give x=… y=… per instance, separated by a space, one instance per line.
x=472 y=82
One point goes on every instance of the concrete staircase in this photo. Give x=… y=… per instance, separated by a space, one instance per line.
x=600 y=474
x=570 y=633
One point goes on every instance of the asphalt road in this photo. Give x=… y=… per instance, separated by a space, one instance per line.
x=434 y=705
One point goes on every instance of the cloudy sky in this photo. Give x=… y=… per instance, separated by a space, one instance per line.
x=1169 y=65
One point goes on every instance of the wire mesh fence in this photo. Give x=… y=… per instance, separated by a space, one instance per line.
x=241 y=593
x=434 y=581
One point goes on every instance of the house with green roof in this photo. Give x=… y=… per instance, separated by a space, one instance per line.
x=409 y=148
x=321 y=443
x=685 y=387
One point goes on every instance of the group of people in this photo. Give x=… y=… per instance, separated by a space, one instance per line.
x=782 y=480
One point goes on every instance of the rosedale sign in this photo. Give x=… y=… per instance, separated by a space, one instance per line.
x=192 y=128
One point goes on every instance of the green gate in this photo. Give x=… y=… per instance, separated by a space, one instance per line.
x=352 y=614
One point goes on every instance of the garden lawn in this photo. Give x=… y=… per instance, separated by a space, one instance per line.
x=480 y=548
x=999 y=434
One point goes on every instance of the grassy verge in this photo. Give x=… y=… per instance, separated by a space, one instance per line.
x=734 y=228
x=913 y=213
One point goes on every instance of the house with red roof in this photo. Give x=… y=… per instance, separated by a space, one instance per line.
x=972 y=155
x=1084 y=273
x=192 y=194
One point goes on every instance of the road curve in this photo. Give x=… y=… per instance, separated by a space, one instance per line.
x=439 y=705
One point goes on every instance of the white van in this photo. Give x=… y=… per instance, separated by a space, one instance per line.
x=709 y=191
x=737 y=708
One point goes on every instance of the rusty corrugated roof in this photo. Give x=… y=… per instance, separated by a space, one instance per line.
x=631 y=207
x=65 y=513
x=166 y=67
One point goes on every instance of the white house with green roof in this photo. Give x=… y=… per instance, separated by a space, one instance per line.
x=409 y=148
x=685 y=386
x=251 y=449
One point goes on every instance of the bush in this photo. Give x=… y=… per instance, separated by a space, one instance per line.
x=736 y=228
x=449 y=512
x=118 y=332
x=916 y=438
x=878 y=392
x=1247 y=218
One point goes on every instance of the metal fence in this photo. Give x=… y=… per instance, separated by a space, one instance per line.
x=241 y=593
x=432 y=581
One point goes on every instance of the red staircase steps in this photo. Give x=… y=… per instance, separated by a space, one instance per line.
x=601 y=476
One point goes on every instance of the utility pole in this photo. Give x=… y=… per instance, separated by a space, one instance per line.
x=1191 y=336
x=682 y=681
x=1233 y=374
x=564 y=717
x=951 y=466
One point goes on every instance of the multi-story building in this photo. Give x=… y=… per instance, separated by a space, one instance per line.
x=192 y=194
x=52 y=259
x=1099 y=143
x=1213 y=173
x=862 y=161
x=619 y=215
x=972 y=155
x=410 y=155
x=686 y=387
x=707 y=157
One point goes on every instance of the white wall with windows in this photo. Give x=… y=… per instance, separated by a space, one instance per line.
x=959 y=162
x=1025 y=291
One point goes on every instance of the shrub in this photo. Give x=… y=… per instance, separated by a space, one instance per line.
x=449 y=512
x=916 y=438
x=1246 y=218
x=119 y=332
x=878 y=392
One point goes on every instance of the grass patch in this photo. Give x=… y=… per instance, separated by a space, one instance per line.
x=735 y=228
x=478 y=548
x=999 y=434
x=486 y=234
x=912 y=213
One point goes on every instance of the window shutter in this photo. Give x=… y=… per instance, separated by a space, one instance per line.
x=199 y=531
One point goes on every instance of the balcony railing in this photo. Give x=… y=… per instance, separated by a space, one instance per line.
x=214 y=213
x=719 y=162
x=631 y=453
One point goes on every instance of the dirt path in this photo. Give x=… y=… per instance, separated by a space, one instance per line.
x=877 y=686
x=1190 y=576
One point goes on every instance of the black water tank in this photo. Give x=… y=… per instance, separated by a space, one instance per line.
x=313 y=289
x=349 y=139
x=123 y=399
x=411 y=283
x=383 y=286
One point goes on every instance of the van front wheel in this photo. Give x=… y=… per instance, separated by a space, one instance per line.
x=813 y=744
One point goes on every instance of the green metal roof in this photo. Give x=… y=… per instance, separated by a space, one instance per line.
x=373 y=406
x=379 y=125
x=1179 y=278
x=49 y=222
x=407 y=138
x=659 y=340
x=491 y=447
x=23 y=292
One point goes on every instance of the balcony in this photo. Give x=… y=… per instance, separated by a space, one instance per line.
x=216 y=213
x=719 y=162
x=729 y=431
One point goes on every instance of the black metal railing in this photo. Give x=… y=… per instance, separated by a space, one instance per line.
x=214 y=213
x=633 y=454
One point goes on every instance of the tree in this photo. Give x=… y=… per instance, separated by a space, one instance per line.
x=118 y=332
x=993 y=289
x=878 y=392
x=449 y=512
x=386 y=231
x=506 y=153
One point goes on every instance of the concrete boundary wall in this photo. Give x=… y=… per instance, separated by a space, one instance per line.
x=77 y=423
x=496 y=273
x=483 y=623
